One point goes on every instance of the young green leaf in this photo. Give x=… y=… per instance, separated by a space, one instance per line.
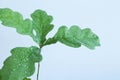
x=13 y=19
x=21 y=63
x=50 y=41
x=74 y=37
x=41 y=24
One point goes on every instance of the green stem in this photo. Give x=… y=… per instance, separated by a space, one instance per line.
x=38 y=71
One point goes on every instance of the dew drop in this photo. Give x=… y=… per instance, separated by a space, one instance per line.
x=34 y=32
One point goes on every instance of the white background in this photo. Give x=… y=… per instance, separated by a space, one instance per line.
x=65 y=63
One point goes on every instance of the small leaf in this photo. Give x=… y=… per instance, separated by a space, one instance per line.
x=50 y=41
x=14 y=19
x=41 y=24
x=75 y=36
x=20 y=64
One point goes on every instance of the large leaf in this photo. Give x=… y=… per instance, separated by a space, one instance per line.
x=20 y=64
x=37 y=28
x=75 y=37
x=41 y=24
